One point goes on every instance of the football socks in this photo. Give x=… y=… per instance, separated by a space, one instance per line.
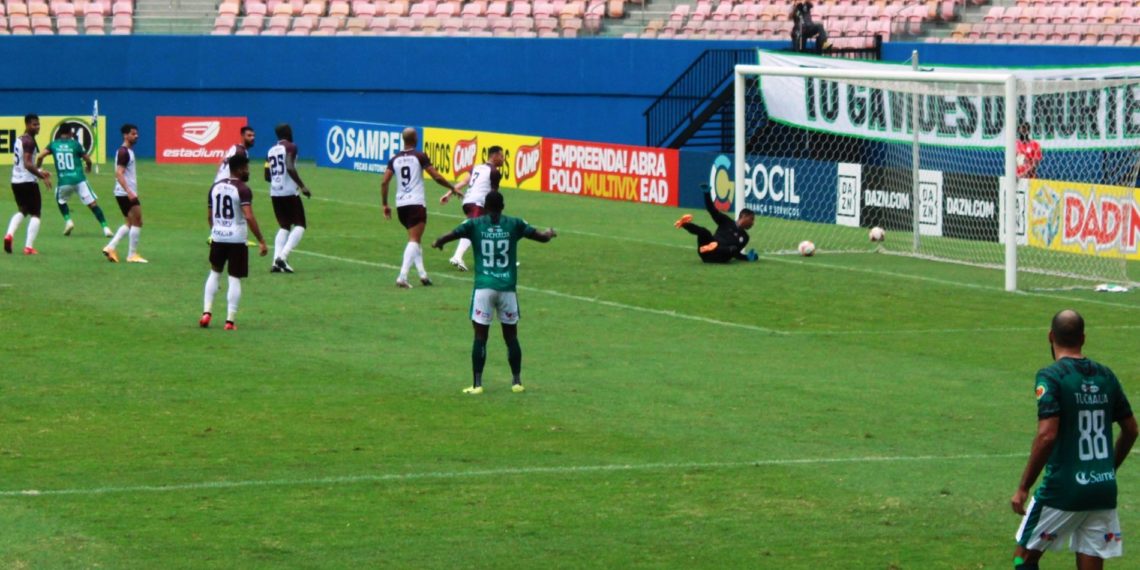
x=99 y=215
x=14 y=224
x=233 y=297
x=33 y=230
x=119 y=235
x=63 y=209
x=279 y=242
x=133 y=244
x=478 y=359
x=514 y=357
x=212 y=281
x=409 y=258
x=291 y=242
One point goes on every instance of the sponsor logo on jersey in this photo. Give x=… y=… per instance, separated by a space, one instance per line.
x=1089 y=388
x=1092 y=477
x=201 y=132
x=1040 y=391
x=1113 y=537
x=527 y=159
x=463 y=158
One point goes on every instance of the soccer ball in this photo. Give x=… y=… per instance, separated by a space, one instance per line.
x=807 y=248
x=877 y=234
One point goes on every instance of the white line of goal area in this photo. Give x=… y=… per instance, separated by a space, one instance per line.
x=503 y=471
x=814 y=262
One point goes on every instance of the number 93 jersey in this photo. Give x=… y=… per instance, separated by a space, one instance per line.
x=496 y=249
x=1080 y=474
x=225 y=202
x=408 y=168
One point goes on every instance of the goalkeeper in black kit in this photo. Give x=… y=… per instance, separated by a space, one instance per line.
x=730 y=239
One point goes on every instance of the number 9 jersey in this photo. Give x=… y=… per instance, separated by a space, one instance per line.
x=408 y=168
x=227 y=218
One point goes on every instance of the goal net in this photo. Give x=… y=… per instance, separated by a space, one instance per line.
x=827 y=148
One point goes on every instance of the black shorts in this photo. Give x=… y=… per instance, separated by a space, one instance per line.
x=289 y=211
x=125 y=204
x=233 y=255
x=27 y=198
x=472 y=210
x=411 y=216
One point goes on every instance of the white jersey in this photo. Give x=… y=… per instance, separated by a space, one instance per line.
x=224 y=167
x=20 y=173
x=281 y=155
x=408 y=168
x=484 y=179
x=228 y=219
x=126 y=158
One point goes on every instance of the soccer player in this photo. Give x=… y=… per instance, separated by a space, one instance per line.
x=730 y=238
x=242 y=148
x=67 y=154
x=483 y=180
x=284 y=185
x=1078 y=400
x=26 y=178
x=495 y=238
x=1028 y=153
x=230 y=211
x=127 y=195
x=411 y=206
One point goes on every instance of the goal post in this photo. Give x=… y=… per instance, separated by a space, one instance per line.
x=825 y=151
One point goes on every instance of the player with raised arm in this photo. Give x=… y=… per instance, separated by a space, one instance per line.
x=730 y=238
x=495 y=238
x=1078 y=400
x=229 y=208
x=285 y=188
x=26 y=178
x=71 y=162
x=127 y=195
x=411 y=206
x=239 y=148
x=483 y=180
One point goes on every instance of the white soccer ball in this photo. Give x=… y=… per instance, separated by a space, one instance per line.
x=877 y=234
x=807 y=248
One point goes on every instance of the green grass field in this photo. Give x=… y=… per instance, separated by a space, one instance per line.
x=844 y=411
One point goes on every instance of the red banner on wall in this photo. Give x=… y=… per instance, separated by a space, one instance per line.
x=611 y=171
x=186 y=140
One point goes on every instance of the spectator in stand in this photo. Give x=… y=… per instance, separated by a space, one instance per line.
x=1028 y=153
x=804 y=28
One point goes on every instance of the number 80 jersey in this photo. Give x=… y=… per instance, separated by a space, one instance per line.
x=1087 y=397
x=225 y=202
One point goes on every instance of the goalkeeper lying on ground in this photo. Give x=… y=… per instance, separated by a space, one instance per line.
x=730 y=238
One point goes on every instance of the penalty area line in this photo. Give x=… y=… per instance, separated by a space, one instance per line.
x=484 y=473
x=559 y=294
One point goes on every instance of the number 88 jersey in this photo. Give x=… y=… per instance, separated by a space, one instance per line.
x=1087 y=398
x=408 y=168
x=226 y=215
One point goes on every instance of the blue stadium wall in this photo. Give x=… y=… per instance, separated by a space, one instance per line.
x=592 y=89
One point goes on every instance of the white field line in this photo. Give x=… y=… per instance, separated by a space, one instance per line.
x=485 y=473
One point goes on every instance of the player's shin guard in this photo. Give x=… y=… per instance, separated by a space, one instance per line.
x=14 y=223
x=478 y=360
x=233 y=298
x=279 y=242
x=64 y=210
x=419 y=260
x=133 y=245
x=291 y=243
x=33 y=231
x=212 y=281
x=514 y=357
x=409 y=258
x=99 y=215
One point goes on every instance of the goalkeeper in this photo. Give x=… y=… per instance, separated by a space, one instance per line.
x=730 y=238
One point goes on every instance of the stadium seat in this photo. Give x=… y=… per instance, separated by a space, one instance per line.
x=122 y=7
x=396 y=8
x=363 y=8
x=256 y=8
x=302 y=26
x=278 y=25
x=20 y=25
x=450 y=25
x=38 y=8
x=446 y=9
x=402 y=25
x=41 y=26
x=67 y=25
x=422 y=9
x=121 y=25
x=339 y=9
x=224 y=25
x=615 y=8
x=313 y=9
x=474 y=8
x=17 y=9
x=59 y=8
x=229 y=9
x=496 y=8
x=373 y=24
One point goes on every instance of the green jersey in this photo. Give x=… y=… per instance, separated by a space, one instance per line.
x=1088 y=399
x=68 y=155
x=495 y=245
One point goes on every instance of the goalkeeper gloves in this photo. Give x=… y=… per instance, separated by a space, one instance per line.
x=752 y=255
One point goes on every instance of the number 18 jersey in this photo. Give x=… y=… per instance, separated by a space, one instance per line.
x=1080 y=474
x=496 y=249
x=225 y=201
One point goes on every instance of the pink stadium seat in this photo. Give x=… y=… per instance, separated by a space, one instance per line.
x=332 y=23
x=446 y=9
x=723 y=9
x=498 y=24
x=522 y=8
x=376 y=23
x=543 y=9
x=994 y=14
x=38 y=8
x=224 y=24
x=474 y=8
x=20 y=25
x=17 y=9
x=59 y=8
x=229 y=9
x=121 y=25
x=422 y=9
x=313 y=9
x=253 y=23
x=451 y=24
x=363 y=8
x=257 y=8
x=339 y=9
x=522 y=23
x=121 y=7
x=497 y=8
x=41 y=26
x=278 y=25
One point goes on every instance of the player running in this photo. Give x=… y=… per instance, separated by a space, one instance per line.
x=67 y=154
x=411 y=206
x=230 y=209
x=127 y=195
x=495 y=237
x=1078 y=400
x=240 y=148
x=285 y=189
x=730 y=238
x=483 y=180
x=26 y=178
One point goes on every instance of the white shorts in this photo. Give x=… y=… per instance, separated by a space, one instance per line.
x=486 y=302
x=64 y=192
x=1095 y=533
